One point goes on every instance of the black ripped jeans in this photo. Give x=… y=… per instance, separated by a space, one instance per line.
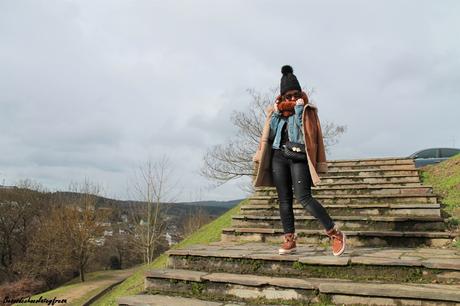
x=287 y=175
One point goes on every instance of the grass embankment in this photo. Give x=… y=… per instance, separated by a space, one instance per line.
x=77 y=293
x=445 y=179
x=135 y=284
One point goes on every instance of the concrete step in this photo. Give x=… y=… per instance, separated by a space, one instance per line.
x=361 y=184
x=407 y=170
x=354 y=238
x=359 y=199
x=374 y=179
x=359 y=189
x=272 y=190
x=340 y=167
x=405 y=265
x=429 y=210
x=257 y=289
x=371 y=161
x=165 y=300
x=374 y=223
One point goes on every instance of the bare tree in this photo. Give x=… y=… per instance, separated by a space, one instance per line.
x=154 y=189
x=84 y=225
x=117 y=244
x=12 y=231
x=233 y=159
x=30 y=184
x=48 y=256
x=68 y=235
x=196 y=217
x=20 y=208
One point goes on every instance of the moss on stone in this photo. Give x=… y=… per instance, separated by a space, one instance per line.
x=355 y=272
x=311 y=298
x=197 y=288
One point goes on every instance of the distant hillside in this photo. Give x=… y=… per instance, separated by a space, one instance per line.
x=213 y=208
x=228 y=204
x=177 y=214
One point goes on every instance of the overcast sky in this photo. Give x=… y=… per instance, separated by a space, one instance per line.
x=93 y=88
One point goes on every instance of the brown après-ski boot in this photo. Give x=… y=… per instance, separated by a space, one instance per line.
x=338 y=241
x=289 y=245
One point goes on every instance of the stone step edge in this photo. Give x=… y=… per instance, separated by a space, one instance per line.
x=359 y=185
x=420 y=184
x=162 y=300
x=325 y=176
x=384 y=176
x=415 y=170
x=376 y=186
x=332 y=163
x=331 y=196
x=348 y=218
x=358 y=168
x=330 y=185
x=369 y=159
x=382 y=167
x=364 y=186
x=337 y=286
x=279 y=231
x=351 y=206
x=327 y=260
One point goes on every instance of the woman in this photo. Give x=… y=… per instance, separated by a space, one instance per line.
x=293 y=119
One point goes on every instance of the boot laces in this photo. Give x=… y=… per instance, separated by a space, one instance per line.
x=336 y=235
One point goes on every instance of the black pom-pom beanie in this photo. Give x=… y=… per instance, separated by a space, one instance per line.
x=288 y=80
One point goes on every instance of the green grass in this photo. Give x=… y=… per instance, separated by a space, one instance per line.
x=445 y=179
x=135 y=284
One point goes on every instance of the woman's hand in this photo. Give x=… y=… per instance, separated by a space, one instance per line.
x=300 y=101
x=304 y=97
x=277 y=100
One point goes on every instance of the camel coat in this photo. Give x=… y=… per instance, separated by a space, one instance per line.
x=313 y=139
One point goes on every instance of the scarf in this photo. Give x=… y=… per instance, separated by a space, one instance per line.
x=286 y=108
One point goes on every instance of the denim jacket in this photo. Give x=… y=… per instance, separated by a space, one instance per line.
x=294 y=125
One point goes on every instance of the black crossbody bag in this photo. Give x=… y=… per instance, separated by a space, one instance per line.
x=294 y=150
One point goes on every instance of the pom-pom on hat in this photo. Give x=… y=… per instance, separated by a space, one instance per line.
x=288 y=80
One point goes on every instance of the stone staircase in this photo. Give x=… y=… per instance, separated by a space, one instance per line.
x=399 y=248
